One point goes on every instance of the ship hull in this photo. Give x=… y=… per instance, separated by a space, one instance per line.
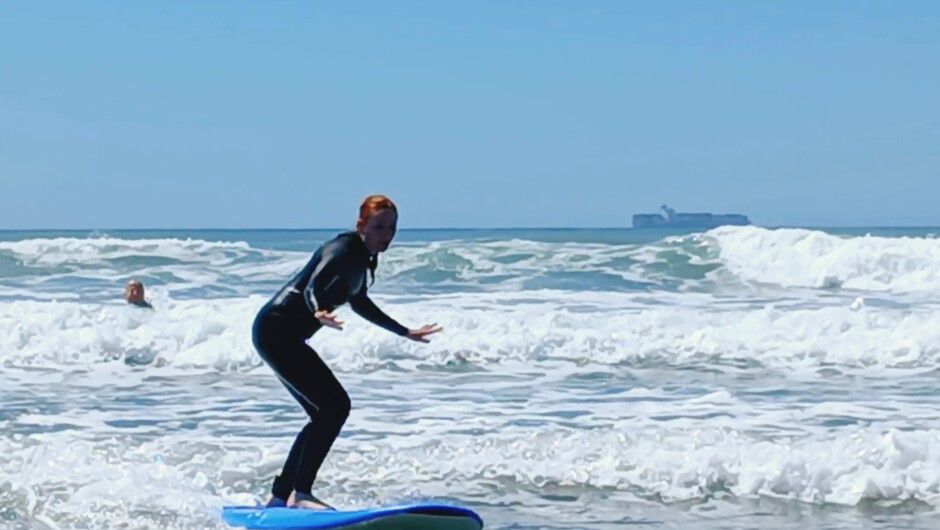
x=689 y=220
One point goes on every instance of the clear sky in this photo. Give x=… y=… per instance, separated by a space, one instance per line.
x=577 y=113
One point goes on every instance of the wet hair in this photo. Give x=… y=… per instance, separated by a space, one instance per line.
x=372 y=205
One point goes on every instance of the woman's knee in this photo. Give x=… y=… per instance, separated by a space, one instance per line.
x=341 y=405
x=333 y=407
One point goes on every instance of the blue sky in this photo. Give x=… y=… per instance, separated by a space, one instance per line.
x=231 y=114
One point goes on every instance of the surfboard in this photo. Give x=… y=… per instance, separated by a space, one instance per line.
x=417 y=516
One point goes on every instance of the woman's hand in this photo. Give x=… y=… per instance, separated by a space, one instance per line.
x=421 y=333
x=328 y=319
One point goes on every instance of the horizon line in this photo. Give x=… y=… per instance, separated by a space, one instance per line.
x=420 y=229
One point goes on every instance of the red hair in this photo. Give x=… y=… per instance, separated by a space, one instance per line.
x=372 y=205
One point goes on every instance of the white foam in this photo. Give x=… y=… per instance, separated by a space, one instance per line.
x=205 y=333
x=95 y=475
x=481 y=330
x=809 y=258
x=85 y=267
x=73 y=482
x=58 y=251
x=744 y=256
x=506 y=264
x=116 y=416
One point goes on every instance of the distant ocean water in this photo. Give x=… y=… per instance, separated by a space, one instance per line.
x=741 y=377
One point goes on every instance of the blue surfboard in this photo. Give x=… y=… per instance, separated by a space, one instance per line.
x=418 y=516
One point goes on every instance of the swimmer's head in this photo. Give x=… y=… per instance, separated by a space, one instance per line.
x=377 y=223
x=134 y=291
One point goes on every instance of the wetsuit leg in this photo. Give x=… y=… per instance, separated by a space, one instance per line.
x=284 y=483
x=315 y=387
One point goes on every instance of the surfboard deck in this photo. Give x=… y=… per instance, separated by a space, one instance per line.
x=417 y=516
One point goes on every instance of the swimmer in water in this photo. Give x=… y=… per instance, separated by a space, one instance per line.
x=134 y=294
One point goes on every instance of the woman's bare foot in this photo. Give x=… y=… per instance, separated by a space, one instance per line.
x=274 y=502
x=308 y=501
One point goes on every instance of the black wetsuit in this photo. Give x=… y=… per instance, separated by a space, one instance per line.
x=336 y=274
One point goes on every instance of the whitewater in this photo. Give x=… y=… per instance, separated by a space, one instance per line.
x=585 y=379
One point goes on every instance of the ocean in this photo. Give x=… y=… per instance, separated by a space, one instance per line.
x=741 y=377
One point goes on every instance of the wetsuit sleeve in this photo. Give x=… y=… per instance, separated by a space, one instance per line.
x=366 y=308
x=325 y=275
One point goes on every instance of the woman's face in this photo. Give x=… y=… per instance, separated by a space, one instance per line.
x=378 y=232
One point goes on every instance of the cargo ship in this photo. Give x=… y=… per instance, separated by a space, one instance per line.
x=670 y=219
